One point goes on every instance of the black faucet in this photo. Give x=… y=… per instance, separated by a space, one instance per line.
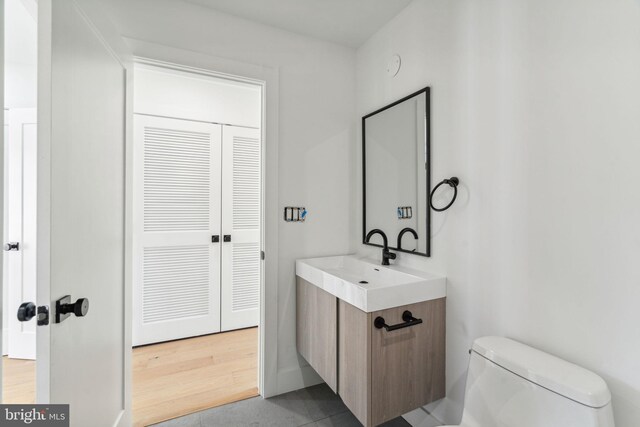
x=386 y=254
x=405 y=230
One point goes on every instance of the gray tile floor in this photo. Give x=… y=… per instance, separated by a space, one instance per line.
x=315 y=406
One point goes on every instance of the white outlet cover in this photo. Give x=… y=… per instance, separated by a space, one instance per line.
x=393 y=66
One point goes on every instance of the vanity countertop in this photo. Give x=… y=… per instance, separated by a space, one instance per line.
x=369 y=286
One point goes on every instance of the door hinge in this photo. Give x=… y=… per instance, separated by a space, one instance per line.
x=262 y=255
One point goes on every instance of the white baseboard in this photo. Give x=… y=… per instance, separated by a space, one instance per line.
x=421 y=418
x=5 y=341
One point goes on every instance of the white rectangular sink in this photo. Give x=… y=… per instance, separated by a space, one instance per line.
x=369 y=286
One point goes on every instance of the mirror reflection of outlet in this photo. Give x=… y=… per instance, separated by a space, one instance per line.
x=405 y=212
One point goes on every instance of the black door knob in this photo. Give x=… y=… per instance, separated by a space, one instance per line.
x=64 y=308
x=79 y=308
x=12 y=246
x=26 y=311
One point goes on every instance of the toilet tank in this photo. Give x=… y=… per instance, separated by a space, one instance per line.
x=510 y=384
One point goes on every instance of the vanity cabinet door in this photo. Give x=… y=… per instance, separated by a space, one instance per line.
x=354 y=360
x=408 y=364
x=317 y=330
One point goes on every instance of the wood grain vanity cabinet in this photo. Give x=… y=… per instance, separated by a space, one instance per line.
x=317 y=330
x=379 y=374
x=384 y=374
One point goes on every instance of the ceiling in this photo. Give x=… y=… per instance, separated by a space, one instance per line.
x=346 y=22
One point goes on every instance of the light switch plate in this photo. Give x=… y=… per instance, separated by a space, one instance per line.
x=295 y=214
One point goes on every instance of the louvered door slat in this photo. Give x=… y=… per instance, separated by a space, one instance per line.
x=241 y=264
x=177 y=208
x=246 y=183
x=245 y=292
x=177 y=174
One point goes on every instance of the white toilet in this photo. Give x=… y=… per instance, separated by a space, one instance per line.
x=510 y=384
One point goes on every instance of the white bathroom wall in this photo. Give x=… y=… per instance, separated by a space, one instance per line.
x=316 y=131
x=535 y=107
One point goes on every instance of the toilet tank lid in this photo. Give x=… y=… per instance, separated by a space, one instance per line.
x=547 y=371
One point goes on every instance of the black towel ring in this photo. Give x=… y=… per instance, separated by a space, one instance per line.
x=453 y=182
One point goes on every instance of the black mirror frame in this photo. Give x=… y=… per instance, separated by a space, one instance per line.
x=427 y=92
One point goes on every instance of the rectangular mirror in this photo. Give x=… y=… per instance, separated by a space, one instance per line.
x=396 y=174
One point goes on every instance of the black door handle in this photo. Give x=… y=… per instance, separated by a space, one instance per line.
x=408 y=318
x=227 y=237
x=12 y=246
x=28 y=310
x=215 y=238
x=64 y=308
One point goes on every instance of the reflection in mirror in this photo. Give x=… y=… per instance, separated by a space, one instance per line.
x=396 y=173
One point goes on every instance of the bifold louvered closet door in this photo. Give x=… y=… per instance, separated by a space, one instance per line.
x=176 y=264
x=197 y=263
x=241 y=222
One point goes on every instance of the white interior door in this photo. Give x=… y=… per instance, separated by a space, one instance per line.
x=20 y=228
x=241 y=213
x=81 y=216
x=177 y=215
x=5 y=289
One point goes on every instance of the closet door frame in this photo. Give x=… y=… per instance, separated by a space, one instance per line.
x=271 y=381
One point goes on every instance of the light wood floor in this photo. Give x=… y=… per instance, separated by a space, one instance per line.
x=181 y=377
x=19 y=380
x=171 y=379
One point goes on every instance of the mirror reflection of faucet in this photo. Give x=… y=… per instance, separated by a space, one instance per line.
x=405 y=230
